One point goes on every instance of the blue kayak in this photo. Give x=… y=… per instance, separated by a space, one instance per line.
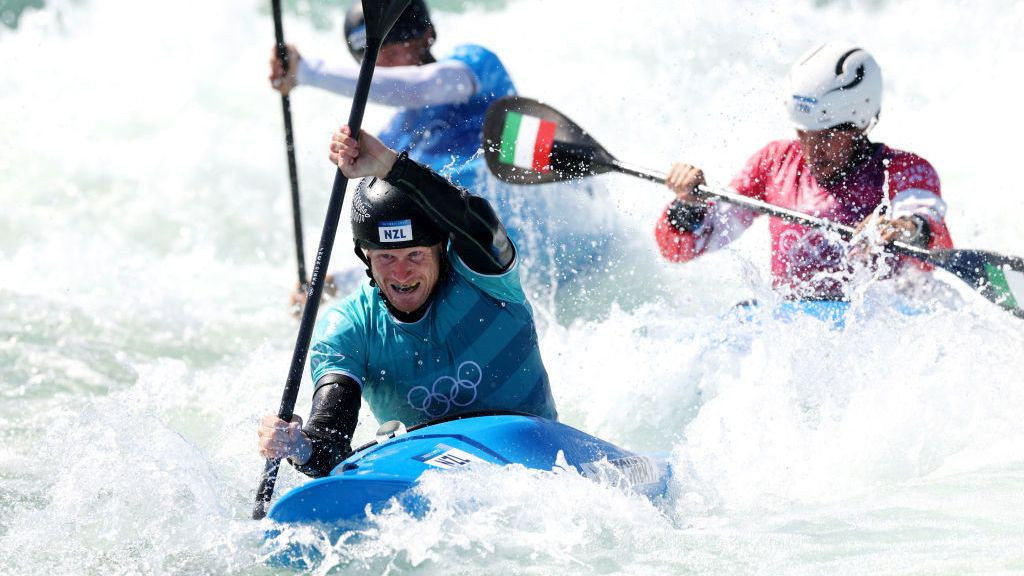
x=374 y=475
x=831 y=312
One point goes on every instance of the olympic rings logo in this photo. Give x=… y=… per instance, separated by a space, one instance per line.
x=447 y=391
x=809 y=249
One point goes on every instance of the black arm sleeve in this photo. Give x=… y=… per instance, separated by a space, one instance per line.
x=685 y=216
x=922 y=237
x=477 y=234
x=331 y=423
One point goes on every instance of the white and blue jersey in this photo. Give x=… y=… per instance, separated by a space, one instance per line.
x=475 y=348
x=446 y=137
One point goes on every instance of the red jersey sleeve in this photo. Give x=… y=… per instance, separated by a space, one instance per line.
x=722 y=224
x=914 y=190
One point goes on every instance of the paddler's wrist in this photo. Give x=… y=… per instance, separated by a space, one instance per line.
x=387 y=160
x=919 y=233
x=397 y=167
x=303 y=450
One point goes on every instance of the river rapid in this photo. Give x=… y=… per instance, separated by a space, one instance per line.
x=146 y=253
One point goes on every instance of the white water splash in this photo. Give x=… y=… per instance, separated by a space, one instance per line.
x=145 y=257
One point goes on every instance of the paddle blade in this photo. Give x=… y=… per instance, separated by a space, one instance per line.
x=526 y=142
x=380 y=16
x=998 y=278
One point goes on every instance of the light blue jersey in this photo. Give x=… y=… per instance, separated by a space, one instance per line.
x=446 y=137
x=475 y=349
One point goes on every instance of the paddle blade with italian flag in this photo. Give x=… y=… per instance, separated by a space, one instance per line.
x=1008 y=283
x=526 y=142
x=998 y=278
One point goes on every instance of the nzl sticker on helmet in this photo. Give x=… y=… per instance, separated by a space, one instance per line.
x=448 y=458
x=395 y=231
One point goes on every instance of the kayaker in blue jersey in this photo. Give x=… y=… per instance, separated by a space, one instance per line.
x=441 y=103
x=443 y=327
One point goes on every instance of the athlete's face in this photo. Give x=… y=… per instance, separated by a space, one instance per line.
x=397 y=54
x=406 y=53
x=407 y=275
x=829 y=152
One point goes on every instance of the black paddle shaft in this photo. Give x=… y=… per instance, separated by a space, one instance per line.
x=380 y=15
x=289 y=139
x=316 y=286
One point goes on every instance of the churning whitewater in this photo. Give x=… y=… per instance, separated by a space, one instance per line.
x=146 y=256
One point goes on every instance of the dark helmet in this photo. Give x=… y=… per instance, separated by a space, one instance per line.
x=385 y=217
x=413 y=23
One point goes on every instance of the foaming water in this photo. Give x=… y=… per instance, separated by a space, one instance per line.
x=145 y=255
x=497 y=518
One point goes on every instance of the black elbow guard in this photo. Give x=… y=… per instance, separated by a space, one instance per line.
x=331 y=424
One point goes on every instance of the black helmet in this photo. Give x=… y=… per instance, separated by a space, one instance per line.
x=385 y=217
x=413 y=23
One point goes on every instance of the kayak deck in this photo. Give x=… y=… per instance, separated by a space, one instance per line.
x=370 y=478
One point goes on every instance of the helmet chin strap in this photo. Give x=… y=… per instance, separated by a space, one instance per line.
x=362 y=256
x=871 y=124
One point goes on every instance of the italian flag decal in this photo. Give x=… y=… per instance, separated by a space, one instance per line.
x=526 y=142
x=1009 y=285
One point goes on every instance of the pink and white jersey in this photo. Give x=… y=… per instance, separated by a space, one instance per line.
x=805 y=262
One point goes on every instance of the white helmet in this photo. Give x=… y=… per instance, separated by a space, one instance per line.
x=834 y=84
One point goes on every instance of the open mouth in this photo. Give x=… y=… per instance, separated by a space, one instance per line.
x=405 y=288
